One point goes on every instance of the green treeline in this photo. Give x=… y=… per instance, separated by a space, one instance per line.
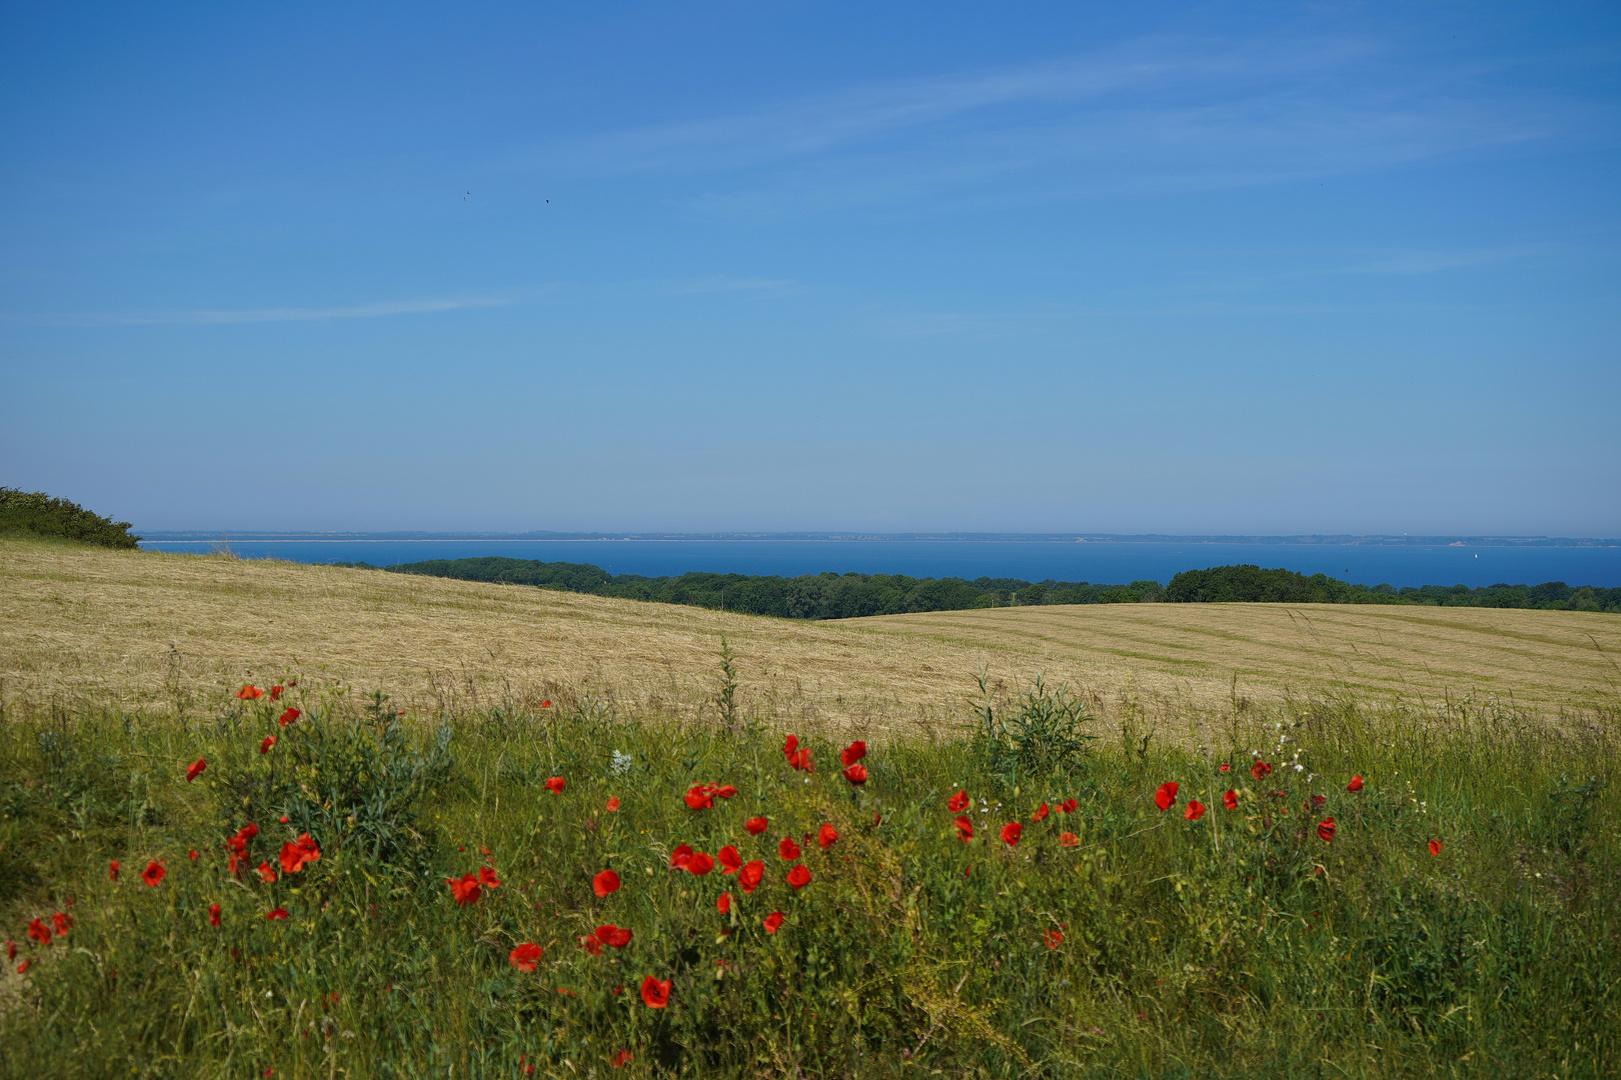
x=813 y=596
x=34 y=513
x=1228 y=584
x=845 y=596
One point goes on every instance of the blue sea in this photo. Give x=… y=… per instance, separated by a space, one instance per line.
x=1107 y=563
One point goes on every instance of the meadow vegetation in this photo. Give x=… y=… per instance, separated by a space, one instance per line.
x=311 y=883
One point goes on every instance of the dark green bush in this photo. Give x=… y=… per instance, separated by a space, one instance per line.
x=38 y=514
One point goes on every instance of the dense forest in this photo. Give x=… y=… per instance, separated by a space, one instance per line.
x=844 y=596
x=34 y=513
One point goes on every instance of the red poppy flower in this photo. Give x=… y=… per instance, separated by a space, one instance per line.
x=1011 y=833
x=38 y=931
x=22 y=968
x=288 y=717
x=555 y=785
x=773 y=922
x=1224 y=767
x=465 y=889
x=1068 y=806
x=1054 y=939
x=617 y=936
x=1041 y=812
x=62 y=922
x=853 y=753
x=195 y=769
x=827 y=836
x=248 y=831
x=264 y=871
x=856 y=774
x=1260 y=770
x=112 y=869
x=297 y=854
x=799 y=877
x=700 y=864
x=726 y=791
x=751 y=876
x=655 y=992
x=790 y=746
x=282 y=819
x=1435 y=847
x=604 y=883
x=213 y=914
x=802 y=761
x=1165 y=797
x=1325 y=829
x=192 y=854
x=275 y=692
x=154 y=873
x=700 y=796
x=250 y=693
x=487 y=878
x=1195 y=810
x=787 y=850
x=965 y=828
x=730 y=860
x=756 y=825
x=1230 y=799
x=546 y=704
x=525 y=956
x=613 y=804
x=591 y=944
x=623 y=1058
x=264 y=747
x=958 y=802
x=276 y=913
x=1355 y=784
x=1068 y=839
x=724 y=903
x=679 y=857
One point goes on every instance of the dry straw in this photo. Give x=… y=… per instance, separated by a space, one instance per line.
x=159 y=633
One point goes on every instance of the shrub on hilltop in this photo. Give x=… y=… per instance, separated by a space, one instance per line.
x=34 y=513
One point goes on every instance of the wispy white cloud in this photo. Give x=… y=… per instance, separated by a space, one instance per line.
x=224 y=317
x=1153 y=114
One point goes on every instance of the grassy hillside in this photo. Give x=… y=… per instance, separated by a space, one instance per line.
x=1529 y=658
x=128 y=628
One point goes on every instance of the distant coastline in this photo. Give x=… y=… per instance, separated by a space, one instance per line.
x=252 y=535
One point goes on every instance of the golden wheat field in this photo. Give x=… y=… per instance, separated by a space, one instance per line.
x=82 y=626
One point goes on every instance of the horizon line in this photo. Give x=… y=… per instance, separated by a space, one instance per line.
x=849 y=536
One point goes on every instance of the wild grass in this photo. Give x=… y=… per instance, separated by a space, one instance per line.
x=1240 y=944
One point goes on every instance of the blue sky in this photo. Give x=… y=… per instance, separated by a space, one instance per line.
x=1094 y=267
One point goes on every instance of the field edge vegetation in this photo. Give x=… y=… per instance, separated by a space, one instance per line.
x=1330 y=887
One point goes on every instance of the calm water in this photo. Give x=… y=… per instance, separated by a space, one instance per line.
x=1032 y=561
